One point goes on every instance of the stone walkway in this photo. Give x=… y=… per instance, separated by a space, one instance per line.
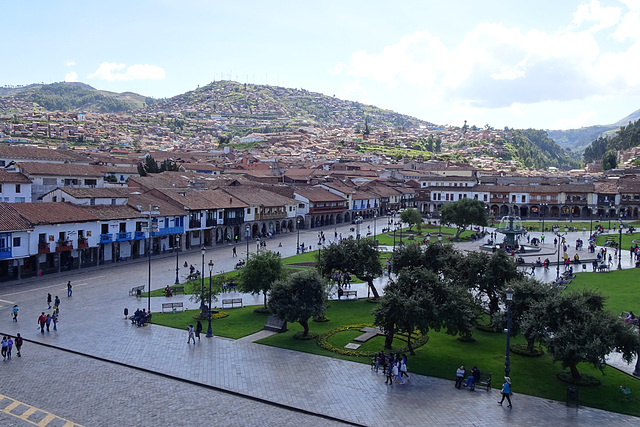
x=92 y=324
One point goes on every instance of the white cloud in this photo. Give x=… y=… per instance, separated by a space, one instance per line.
x=586 y=118
x=71 y=76
x=629 y=28
x=70 y=63
x=112 y=71
x=603 y=17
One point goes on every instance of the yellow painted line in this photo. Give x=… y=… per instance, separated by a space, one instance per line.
x=30 y=411
x=46 y=420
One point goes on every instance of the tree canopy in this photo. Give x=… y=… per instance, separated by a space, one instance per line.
x=260 y=272
x=464 y=213
x=298 y=297
x=355 y=256
x=412 y=217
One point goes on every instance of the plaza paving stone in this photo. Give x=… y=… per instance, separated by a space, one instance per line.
x=92 y=324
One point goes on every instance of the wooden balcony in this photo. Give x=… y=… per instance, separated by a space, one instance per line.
x=43 y=248
x=64 y=246
x=83 y=243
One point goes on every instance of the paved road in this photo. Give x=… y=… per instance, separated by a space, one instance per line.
x=103 y=354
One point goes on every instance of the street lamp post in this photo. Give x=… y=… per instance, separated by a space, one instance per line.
x=358 y=220
x=620 y=246
x=507 y=363
x=375 y=240
x=247 y=234
x=590 y=221
x=298 y=247
x=202 y=251
x=559 y=236
x=177 y=252
x=542 y=206
x=151 y=228
x=609 y=213
x=209 y=330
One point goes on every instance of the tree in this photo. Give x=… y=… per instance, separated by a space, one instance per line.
x=420 y=300
x=529 y=296
x=411 y=216
x=260 y=272
x=358 y=257
x=488 y=274
x=298 y=297
x=464 y=213
x=577 y=329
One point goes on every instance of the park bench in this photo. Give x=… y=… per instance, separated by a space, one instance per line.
x=232 y=302
x=228 y=286
x=193 y=276
x=484 y=381
x=603 y=268
x=177 y=289
x=347 y=294
x=136 y=290
x=172 y=306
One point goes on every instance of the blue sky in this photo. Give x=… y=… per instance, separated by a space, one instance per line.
x=545 y=64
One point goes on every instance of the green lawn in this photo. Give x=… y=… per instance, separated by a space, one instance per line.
x=627 y=239
x=239 y=323
x=443 y=354
x=620 y=287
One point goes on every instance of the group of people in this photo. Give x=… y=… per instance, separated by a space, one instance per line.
x=194 y=333
x=474 y=377
x=140 y=317
x=394 y=367
x=7 y=346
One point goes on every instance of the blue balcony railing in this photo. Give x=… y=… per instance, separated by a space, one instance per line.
x=139 y=235
x=168 y=231
x=123 y=236
x=106 y=238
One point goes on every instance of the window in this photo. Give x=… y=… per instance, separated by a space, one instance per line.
x=54 y=199
x=91 y=182
x=49 y=181
x=20 y=200
x=18 y=188
x=0 y=188
x=16 y=242
x=2 y=163
x=248 y=213
x=483 y=198
x=524 y=198
x=113 y=201
x=92 y=201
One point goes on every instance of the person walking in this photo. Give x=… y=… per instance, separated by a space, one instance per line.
x=56 y=303
x=5 y=344
x=42 y=320
x=192 y=335
x=47 y=321
x=9 y=346
x=18 y=344
x=403 y=367
x=198 y=329
x=234 y=252
x=69 y=290
x=49 y=300
x=15 y=312
x=54 y=319
x=506 y=391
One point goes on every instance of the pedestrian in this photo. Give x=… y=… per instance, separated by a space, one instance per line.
x=15 y=312
x=69 y=291
x=5 y=344
x=42 y=319
x=47 y=321
x=185 y=264
x=192 y=335
x=56 y=303
x=403 y=367
x=234 y=252
x=9 y=347
x=198 y=329
x=54 y=319
x=506 y=391
x=49 y=300
x=459 y=377
x=471 y=380
x=390 y=365
x=18 y=344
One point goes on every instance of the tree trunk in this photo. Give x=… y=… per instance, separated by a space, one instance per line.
x=376 y=295
x=388 y=339
x=493 y=305
x=305 y=327
x=574 y=371
x=265 y=299
x=530 y=344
